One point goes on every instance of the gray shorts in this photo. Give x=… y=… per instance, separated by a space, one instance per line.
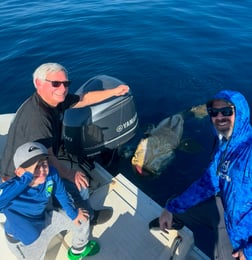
x=57 y=221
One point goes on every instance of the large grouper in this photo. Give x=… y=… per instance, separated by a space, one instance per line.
x=155 y=152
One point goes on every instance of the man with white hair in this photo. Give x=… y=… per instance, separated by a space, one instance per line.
x=40 y=119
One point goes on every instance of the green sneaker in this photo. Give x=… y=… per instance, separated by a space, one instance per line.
x=91 y=248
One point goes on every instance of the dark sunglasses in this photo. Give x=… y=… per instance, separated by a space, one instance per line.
x=56 y=84
x=225 y=111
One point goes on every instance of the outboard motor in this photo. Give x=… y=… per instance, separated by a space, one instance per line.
x=106 y=125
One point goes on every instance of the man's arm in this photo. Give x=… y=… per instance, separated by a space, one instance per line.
x=77 y=177
x=93 y=97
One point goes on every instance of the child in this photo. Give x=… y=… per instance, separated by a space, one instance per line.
x=30 y=225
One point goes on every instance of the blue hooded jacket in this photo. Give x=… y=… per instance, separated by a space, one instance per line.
x=230 y=173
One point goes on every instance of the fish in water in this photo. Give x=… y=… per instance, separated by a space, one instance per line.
x=155 y=152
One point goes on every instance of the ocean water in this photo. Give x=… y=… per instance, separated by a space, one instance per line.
x=173 y=55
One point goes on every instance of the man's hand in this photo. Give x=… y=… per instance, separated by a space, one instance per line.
x=81 y=180
x=239 y=255
x=165 y=220
x=121 y=90
x=83 y=215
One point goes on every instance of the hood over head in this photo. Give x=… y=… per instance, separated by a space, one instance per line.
x=242 y=126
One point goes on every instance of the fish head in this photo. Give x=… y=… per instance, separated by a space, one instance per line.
x=139 y=156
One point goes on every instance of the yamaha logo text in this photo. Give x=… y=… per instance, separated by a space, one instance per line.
x=126 y=124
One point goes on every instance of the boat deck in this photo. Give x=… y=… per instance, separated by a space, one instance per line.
x=126 y=235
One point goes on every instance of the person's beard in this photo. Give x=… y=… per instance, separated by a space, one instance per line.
x=224 y=127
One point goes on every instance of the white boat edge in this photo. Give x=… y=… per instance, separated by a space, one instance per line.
x=126 y=235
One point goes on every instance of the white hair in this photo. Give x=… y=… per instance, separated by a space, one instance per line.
x=42 y=71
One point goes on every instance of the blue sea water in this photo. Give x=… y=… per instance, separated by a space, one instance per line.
x=173 y=55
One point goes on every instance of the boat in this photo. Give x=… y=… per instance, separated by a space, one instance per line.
x=126 y=236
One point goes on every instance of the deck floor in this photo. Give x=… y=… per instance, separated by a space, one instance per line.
x=126 y=235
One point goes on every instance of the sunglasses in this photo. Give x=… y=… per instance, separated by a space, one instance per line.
x=56 y=84
x=225 y=111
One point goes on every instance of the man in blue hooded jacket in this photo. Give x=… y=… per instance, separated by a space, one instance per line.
x=229 y=174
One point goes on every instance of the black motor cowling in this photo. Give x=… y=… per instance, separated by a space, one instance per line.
x=90 y=130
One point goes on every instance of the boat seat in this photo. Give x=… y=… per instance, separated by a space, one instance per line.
x=5 y=122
